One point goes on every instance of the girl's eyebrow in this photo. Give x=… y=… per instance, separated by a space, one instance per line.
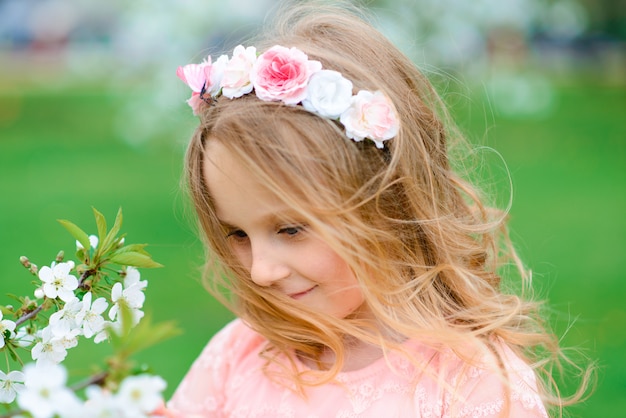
x=226 y=225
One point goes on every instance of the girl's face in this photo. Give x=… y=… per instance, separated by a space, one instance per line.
x=278 y=250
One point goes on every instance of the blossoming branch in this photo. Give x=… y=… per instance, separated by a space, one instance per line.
x=100 y=297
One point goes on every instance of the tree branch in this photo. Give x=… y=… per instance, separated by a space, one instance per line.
x=28 y=315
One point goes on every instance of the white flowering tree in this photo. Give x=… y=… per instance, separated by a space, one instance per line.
x=98 y=297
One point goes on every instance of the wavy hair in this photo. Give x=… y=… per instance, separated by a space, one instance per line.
x=424 y=247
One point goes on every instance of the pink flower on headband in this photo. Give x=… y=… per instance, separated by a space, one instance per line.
x=203 y=79
x=282 y=74
x=195 y=103
x=236 y=80
x=371 y=115
x=194 y=75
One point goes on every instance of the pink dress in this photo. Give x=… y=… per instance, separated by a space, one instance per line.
x=227 y=381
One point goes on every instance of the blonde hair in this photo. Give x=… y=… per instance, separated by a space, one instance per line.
x=423 y=246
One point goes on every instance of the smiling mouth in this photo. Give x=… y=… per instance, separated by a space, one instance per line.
x=301 y=294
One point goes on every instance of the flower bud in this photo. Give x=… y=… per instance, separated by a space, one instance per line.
x=30 y=266
x=25 y=262
x=39 y=294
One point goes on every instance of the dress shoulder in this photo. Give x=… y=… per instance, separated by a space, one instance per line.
x=498 y=384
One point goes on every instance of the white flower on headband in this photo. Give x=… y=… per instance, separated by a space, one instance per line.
x=287 y=75
x=329 y=94
x=214 y=82
x=236 y=80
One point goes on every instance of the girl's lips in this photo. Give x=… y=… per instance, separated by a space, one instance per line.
x=299 y=295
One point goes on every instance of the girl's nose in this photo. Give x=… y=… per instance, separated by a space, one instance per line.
x=268 y=266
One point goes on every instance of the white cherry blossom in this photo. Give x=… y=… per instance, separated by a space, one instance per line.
x=39 y=293
x=133 y=298
x=57 y=281
x=141 y=394
x=65 y=320
x=50 y=349
x=10 y=385
x=102 y=335
x=44 y=393
x=5 y=325
x=101 y=403
x=93 y=243
x=109 y=326
x=133 y=277
x=68 y=339
x=90 y=316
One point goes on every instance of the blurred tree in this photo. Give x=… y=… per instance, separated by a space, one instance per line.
x=607 y=17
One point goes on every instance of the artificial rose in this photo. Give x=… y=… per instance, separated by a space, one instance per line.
x=236 y=79
x=371 y=115
x=282 y=74
x=329 y=94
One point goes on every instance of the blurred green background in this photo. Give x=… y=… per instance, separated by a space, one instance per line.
x=91 y=114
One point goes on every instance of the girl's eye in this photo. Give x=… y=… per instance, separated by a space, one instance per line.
x=292 y=230
x=237 y=234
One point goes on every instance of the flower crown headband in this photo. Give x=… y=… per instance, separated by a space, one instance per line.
x=287 y=75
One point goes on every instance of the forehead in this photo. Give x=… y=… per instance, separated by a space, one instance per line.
x=235 y=190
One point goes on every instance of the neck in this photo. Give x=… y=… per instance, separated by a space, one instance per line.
x=357 y=355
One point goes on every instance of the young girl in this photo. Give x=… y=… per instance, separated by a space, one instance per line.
x=363 y=270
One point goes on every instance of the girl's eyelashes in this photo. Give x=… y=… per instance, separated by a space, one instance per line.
x=292 y=230
x=237 y=234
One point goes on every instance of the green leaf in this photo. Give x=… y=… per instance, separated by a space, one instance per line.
x=147 y=334
x=115 y=339
x=110 y=237
x=135 y=259
x=20 y=299
x=120 y=338
x=80 y=235
x=101 y=223
x=135 y=248
x=13 y=354
x=129 y=340
x=126 y=317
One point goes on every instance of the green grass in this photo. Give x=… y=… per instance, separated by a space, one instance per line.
x=59 y=156
x=569 y=177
